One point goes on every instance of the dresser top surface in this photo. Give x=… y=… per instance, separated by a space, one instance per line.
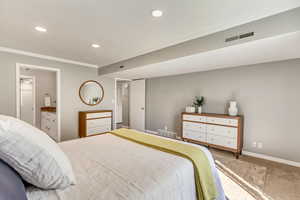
x=213 y=115
x=48 y=109
x=95 y=111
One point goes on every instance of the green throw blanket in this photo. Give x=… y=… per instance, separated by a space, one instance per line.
x=205 y=185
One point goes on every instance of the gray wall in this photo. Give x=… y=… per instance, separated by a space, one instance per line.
x=267 y=94
x=72 y=77
x=45 y=83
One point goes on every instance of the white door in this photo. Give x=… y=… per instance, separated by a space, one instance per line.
x=27 y=94
x=137 y=105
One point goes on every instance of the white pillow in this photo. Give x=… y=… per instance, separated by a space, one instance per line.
x=34 y=155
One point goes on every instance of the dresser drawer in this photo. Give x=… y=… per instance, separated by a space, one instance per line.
x=212 y=139
x=222 y=131
x=194 y=126
x=222 y=121
x=195 y=118
x=194 y=135
x=48 y=116
x=230 y=143
x=45 y=120
x=98 y=130
x=98 y=115
x=92 y=123
x=230 y=122
x=49 y=123
x=212 y=120
x=222 y=141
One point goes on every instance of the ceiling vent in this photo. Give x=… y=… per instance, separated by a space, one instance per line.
x=238 y=37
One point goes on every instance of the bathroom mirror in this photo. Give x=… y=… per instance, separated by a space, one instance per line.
x=91 y=93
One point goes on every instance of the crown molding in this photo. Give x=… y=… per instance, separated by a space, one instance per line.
x=27 y=53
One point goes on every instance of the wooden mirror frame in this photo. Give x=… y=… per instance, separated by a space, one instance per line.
x=99 y=86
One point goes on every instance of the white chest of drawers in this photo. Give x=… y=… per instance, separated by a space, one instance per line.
x=49 y=124
x=214 y=130
x=94 y=122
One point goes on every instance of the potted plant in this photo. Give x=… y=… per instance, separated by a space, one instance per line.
x=198 y=103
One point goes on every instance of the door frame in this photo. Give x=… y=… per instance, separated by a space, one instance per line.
x=33 y=94
x=115 y=100
x=58 y=92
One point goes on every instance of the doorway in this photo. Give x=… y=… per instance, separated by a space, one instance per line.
x=122 y=104
x=38 y=98
x=130 y=104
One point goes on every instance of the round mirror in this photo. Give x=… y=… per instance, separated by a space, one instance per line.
x=91 y=93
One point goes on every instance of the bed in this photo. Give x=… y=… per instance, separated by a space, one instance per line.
x=113 y=168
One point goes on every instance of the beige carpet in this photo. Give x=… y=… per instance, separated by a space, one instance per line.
x=233 y=190
x=260 y=178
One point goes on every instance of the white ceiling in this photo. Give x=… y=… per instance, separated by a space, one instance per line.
x=124 y=29
x=259 y=51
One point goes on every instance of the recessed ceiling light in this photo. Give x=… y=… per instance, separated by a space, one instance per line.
x=95 y=45
x=40 y=29
x=157 y=13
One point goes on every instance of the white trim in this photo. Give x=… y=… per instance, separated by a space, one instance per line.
x=18 y=113
x=33 y=95
x=123 y=79
x=152 y=132
x=271 y=158
x=115 y=109
x=26 y=53
x=58 y=92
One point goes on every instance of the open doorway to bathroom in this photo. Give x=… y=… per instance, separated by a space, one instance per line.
x=122 y=103
x=38 y=98
x=130 y=100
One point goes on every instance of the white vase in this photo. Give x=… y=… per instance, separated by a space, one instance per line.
x=200 y=109
x=233 y=110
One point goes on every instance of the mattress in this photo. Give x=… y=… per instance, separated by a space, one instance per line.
x=112 y=168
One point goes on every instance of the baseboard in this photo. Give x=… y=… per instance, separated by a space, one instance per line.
x=152 y=132
x=271 y=158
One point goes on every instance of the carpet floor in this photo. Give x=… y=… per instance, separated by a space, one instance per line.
x=261 y=178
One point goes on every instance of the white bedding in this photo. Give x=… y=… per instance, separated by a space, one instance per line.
x=111 y=168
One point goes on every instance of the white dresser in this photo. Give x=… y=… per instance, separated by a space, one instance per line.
x=49 y=122
x=94 y=122
x=214 y=130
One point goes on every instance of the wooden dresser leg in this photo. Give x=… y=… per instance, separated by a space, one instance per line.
x=237 y=155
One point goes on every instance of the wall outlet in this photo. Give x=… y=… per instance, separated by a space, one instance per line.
x=254 y=144
x=260 y=145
